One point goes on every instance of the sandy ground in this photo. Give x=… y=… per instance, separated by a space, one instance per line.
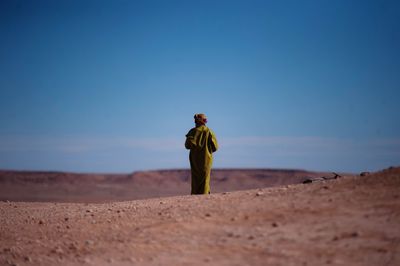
x=347 y=221
x=101 y=188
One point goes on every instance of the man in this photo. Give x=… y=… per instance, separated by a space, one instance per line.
x=201 y=142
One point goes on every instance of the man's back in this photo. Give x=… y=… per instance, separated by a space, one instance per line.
x=199 y=138
x=201 y=142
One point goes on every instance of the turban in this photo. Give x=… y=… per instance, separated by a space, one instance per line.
x=200 y=119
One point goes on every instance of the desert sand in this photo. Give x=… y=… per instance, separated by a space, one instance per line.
x=353 y=220
x=97 y=188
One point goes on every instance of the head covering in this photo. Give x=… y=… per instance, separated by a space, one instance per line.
x=200 y=119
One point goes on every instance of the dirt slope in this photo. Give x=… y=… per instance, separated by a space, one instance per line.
x=75 y=187
x=348 y=221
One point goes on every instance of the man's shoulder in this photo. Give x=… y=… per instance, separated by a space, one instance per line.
x=205 y=129
x=200 y=130
x=209 y=130
x=191 y=131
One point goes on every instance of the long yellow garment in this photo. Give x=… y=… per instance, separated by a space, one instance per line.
x=202 y=143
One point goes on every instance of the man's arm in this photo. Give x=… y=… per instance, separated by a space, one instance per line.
x=190 y=142
x=213 y=142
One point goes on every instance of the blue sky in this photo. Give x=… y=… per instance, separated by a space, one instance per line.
x=112 y=86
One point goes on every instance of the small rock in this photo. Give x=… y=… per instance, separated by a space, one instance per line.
x=41 y=222
x=66 y=219
x=354 y=234
x=72 y=246
x=233 y=219
x=208 y=215
x=274 y=224
x=11 y=263
x=259 y=193
x=230 y=234
x=364 y=173
x=27 y=259
x=250 y=237
x=57 y=250
x=89 y=210
x=110 y=260
x=161 y=202
x=89 y=242
x=346 y=235
x=382 y=250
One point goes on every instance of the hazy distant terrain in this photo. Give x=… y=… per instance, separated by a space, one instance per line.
x=74 y=187
x=353 y=220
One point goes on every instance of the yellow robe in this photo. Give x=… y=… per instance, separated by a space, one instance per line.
x=202 y=143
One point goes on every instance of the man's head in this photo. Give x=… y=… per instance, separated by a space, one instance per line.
x=200 y=119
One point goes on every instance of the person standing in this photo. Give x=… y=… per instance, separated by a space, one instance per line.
x=201 y=142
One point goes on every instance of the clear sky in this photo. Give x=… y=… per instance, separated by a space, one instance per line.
x=112 y=86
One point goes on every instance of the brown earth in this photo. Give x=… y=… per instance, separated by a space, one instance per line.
x=75 y=187
x=352 y=220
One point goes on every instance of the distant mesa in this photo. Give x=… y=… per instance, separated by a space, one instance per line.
x=78 y=187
